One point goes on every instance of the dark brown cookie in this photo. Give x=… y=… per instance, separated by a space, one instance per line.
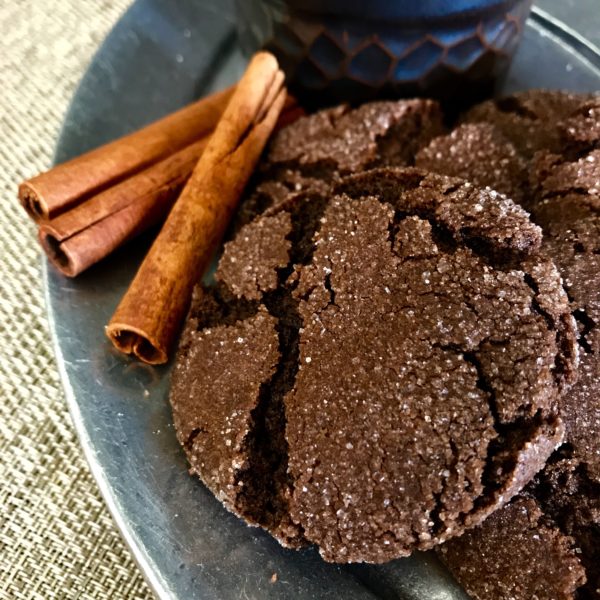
x=565 y=202
x=551 y=175
x=572 y=237
x=545 y=544
x=581 y=129
x=480 y=153
x=567 y=206
x=422 y=345
x=516 y=553
x=528 y=119
x=346 y=141
x=571 y=499
x=317 y=149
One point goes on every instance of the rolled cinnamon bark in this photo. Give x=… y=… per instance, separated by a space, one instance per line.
x=150 y=314
x=68 y=184
x=85 y=234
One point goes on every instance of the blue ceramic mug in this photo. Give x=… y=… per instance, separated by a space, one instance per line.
x=356 y=50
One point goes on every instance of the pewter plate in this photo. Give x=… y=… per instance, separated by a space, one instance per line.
x=160 y=56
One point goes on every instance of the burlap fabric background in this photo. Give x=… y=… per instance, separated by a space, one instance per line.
x=57 y=539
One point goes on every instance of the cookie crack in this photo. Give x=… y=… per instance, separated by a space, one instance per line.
x=329 y=287
x=511 y=104
x=219 y=306
x=188 y=444
x=535 y=304
x=435 y=517
x=265 y=482
x=546 y=194
x=392 y=147
x=252 y=207
x=587 y=326
x=393 y=229
x=484 y=385
x=501 y=259
x=492 y=477
x=339 y=512
x=265 y=478
x=561 y=368
x=494 y=472
x=324 y=169
x=496 y=469
x=499 y=462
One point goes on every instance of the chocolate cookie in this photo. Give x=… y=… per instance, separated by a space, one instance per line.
x=545 y=544
x=319 y=148
x=516 y=553
x=399 y=382
x=480 y=153
x=581 y=129
x=571 y=499
x=566 y=203
x=568 y=209
x=528 y=118
x=551 y=175
x=347 y=141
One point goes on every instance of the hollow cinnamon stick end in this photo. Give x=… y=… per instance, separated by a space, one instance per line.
x=131 y=340
x=57 y=254
x=32 y=201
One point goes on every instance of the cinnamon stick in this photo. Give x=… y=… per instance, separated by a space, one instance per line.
x=53 y=192
x=150 y=314
x=85 y=234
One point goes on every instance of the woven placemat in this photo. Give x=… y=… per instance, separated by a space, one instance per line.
x=57 y=539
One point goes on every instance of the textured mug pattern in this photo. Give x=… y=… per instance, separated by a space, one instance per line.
x=330 y=58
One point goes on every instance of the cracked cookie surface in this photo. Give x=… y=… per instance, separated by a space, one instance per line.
x=564 y=199
x=397 y=384
x=480 y=153
x=544 y=544
x=528 y=119
x=490 y=564
x=318 y=149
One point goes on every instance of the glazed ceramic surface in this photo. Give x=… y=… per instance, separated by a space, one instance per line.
x=353 y=50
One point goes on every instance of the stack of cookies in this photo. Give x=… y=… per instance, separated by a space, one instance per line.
x=546 y=542
x=401 y=349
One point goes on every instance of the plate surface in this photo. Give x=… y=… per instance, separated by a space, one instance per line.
x=160 y=56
